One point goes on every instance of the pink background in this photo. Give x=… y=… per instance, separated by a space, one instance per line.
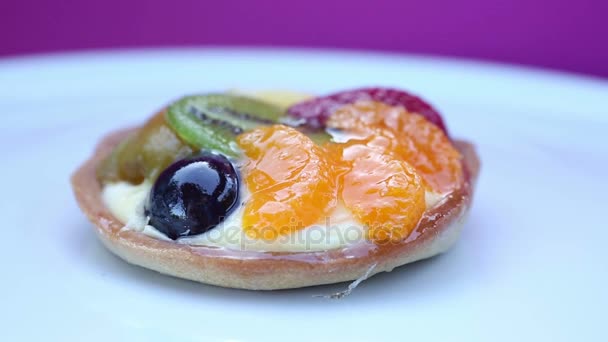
x=570 y=35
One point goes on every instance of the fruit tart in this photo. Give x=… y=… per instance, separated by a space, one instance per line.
x=278 y=190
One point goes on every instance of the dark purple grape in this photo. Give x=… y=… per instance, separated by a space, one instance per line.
x=193 y=195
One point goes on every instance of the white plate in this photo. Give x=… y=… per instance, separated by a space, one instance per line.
x=531 y=262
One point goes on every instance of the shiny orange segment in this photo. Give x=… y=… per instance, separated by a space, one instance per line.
x=410 y=136
x=380 y=175
x=291 y=182
x=381 y=191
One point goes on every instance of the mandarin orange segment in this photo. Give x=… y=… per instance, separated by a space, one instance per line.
x=415 y=140
x=381 y=191
x=290 y=178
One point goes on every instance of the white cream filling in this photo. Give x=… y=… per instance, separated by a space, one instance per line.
x=340 y=229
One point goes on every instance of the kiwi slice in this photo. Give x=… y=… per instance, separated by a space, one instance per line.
x=213 y=121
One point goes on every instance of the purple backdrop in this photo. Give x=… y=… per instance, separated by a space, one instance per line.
x=569 y=35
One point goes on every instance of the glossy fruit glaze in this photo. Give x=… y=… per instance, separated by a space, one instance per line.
x=396 y=150
x=381 y=191
x=380 y=174
x=145 y=153
x=193 y=195
x=290 y=179
x=408 y=136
